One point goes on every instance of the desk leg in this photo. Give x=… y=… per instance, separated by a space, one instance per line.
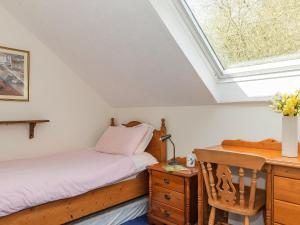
x=268 y=213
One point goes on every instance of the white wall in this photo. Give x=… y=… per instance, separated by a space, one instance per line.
x=194 y=127
x=200 y=126
x=78 y=115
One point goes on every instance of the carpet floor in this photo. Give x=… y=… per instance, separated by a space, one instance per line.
x=142 y=220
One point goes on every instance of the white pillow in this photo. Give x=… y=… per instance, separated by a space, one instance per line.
x=146 y=139
x=141 y=161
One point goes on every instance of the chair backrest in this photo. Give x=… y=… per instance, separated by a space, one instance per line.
x=216 y=164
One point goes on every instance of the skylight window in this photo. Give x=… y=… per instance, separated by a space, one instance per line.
x=249 y=37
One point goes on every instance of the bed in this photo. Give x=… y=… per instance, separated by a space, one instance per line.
x=66 y=209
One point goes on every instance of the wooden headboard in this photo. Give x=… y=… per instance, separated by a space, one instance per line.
x=157 y=148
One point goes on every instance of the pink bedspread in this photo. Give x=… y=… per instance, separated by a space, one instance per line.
x=28 y=183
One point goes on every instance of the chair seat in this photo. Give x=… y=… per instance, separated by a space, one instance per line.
x=260 y=201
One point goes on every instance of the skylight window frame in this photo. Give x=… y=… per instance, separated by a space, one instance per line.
x=284 y=68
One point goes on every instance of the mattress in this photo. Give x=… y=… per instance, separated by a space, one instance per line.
x=32 y=182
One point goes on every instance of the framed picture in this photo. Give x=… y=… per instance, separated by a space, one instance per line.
x=14 y=74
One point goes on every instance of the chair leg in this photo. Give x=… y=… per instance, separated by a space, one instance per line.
x=246 y=220
x=265 y=215
x=212 y=216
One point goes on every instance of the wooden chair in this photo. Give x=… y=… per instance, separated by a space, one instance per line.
x=222 y=193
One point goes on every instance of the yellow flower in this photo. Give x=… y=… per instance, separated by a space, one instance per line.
x=289 y=108
x=292 y=101
x=287 y=104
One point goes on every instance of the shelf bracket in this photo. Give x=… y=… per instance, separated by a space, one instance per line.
x=31 y=130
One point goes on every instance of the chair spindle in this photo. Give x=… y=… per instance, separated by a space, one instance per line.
x=206 y=179
x=242 y=187
x=212 y=182
x=253 y=189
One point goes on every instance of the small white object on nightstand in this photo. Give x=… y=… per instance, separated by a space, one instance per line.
x=190 y=160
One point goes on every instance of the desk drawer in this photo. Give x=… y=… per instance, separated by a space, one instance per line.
x=169 y=197
x=286 y=213
x=167 y=212
x=287 y=189
x=168 y=181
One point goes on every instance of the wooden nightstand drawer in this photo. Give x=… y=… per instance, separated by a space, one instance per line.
x=168 y=181
x=286 y=213
x=168 y=213
x=169 y=197
x=287 y=189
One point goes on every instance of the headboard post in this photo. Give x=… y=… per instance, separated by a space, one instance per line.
x=112 y=122
x=163 y=125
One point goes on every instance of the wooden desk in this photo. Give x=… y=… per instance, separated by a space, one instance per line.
x=282 y=180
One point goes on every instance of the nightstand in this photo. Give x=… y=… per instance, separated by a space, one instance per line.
x=172 y=196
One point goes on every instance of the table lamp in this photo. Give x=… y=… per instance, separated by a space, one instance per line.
x=173 y=161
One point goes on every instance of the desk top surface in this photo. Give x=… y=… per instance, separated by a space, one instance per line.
x=271 y=154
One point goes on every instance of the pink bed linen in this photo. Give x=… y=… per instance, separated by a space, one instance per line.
x=28 y=183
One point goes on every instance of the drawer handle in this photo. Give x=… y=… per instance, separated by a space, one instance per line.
x=167 y=197
x=167 y=214
x=166 y=181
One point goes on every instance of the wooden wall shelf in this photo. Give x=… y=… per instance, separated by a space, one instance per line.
x=31 y=123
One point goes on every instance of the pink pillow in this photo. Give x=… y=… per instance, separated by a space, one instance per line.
x=121 y=140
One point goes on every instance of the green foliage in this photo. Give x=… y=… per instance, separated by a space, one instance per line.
x=251 y=30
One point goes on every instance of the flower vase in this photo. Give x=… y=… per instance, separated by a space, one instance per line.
x=290 y=136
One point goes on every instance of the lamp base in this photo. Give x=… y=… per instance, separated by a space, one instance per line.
x=173 y=162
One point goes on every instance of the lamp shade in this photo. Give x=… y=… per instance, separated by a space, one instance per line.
x=165 y=137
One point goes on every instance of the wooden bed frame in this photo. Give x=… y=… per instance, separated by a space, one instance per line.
x=67 y=210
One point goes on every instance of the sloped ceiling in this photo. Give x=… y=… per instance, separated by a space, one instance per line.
x=119 y=47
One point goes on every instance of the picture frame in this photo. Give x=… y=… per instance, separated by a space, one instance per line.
x=14 y=74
